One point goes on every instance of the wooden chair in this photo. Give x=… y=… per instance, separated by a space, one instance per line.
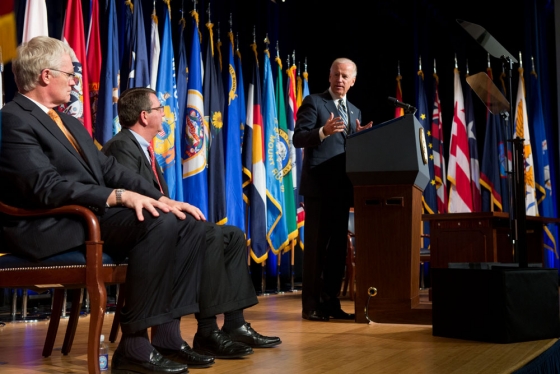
x=90 y=269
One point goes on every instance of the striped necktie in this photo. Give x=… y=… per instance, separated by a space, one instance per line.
x=56 y=118
x=343 y=114
x=153 y=162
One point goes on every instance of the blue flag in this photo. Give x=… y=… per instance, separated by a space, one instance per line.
x=429 y=201
x=234 y=190
x=194 y=142
x=213 y=114
x=543 y=180
x=139 y=75
x=241 y=100
x=165 y=143
x=107 y=120
x=254 y=138
x=276 y=229
x=182 y=74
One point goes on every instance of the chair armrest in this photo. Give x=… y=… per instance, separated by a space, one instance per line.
x=90 y=219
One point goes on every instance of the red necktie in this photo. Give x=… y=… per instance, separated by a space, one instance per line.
x=153 y=159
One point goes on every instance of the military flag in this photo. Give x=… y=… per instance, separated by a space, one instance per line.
x=522 y=131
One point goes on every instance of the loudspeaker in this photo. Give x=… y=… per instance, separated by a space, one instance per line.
x=499 y=305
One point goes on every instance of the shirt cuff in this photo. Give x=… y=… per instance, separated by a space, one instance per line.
x=322 y=135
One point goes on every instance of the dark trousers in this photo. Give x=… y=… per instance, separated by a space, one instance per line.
x=324 y=257
x=165 y=256
x=225 y=284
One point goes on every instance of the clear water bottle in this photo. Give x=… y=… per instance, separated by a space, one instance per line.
x=103 y=355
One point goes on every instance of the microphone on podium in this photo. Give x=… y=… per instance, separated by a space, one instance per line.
x=408 y=109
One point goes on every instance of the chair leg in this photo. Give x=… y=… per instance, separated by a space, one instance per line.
x=76 y=297
x=56 y=311
x=117 y=317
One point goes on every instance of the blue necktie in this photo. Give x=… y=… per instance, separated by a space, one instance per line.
x=343 y=114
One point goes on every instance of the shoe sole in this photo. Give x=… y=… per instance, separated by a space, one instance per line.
x=121 y=371
x=270 y=345
x=209 y=353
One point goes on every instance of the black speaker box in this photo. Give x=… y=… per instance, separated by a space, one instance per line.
x=499 y=305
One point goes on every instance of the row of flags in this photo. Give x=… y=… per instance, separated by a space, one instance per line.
x=231 y=156
x=469 y=183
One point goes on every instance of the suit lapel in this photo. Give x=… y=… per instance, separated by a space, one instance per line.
x=46 y=121
x=146 y=163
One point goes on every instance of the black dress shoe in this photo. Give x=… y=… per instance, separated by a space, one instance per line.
x=219 y=345
x=156 y=364
x=314 y=315
x=247 y=335
x=186 y=355
x=341 y=314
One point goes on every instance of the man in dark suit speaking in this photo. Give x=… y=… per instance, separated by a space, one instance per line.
x=323 y=122
x=226 y=285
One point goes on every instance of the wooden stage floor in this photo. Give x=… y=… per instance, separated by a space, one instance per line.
x=308 y=347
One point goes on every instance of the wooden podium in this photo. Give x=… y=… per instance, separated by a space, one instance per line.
x=389 y=172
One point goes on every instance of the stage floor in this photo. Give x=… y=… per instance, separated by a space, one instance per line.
x=308 y=347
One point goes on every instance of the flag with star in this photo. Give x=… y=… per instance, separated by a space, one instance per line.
x=429 y=202
x=436 y=141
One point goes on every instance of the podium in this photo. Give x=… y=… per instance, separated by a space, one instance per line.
x=388 y=168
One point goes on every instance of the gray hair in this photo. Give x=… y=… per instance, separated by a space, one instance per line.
x=344 y=60
x=36 y=55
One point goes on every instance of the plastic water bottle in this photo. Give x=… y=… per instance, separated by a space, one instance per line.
x=103 y=355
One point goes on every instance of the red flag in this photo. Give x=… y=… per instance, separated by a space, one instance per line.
x=94 y=58
x=73 y=35
x=398 y=110
x=460 y=196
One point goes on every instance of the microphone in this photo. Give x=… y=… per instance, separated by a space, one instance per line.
x=407 y=107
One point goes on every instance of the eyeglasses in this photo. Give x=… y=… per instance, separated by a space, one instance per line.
x=69 y=76
x=160 y=108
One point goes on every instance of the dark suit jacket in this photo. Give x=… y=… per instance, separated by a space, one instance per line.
x=39 y=168
x=324 y=163
x=128 y=152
